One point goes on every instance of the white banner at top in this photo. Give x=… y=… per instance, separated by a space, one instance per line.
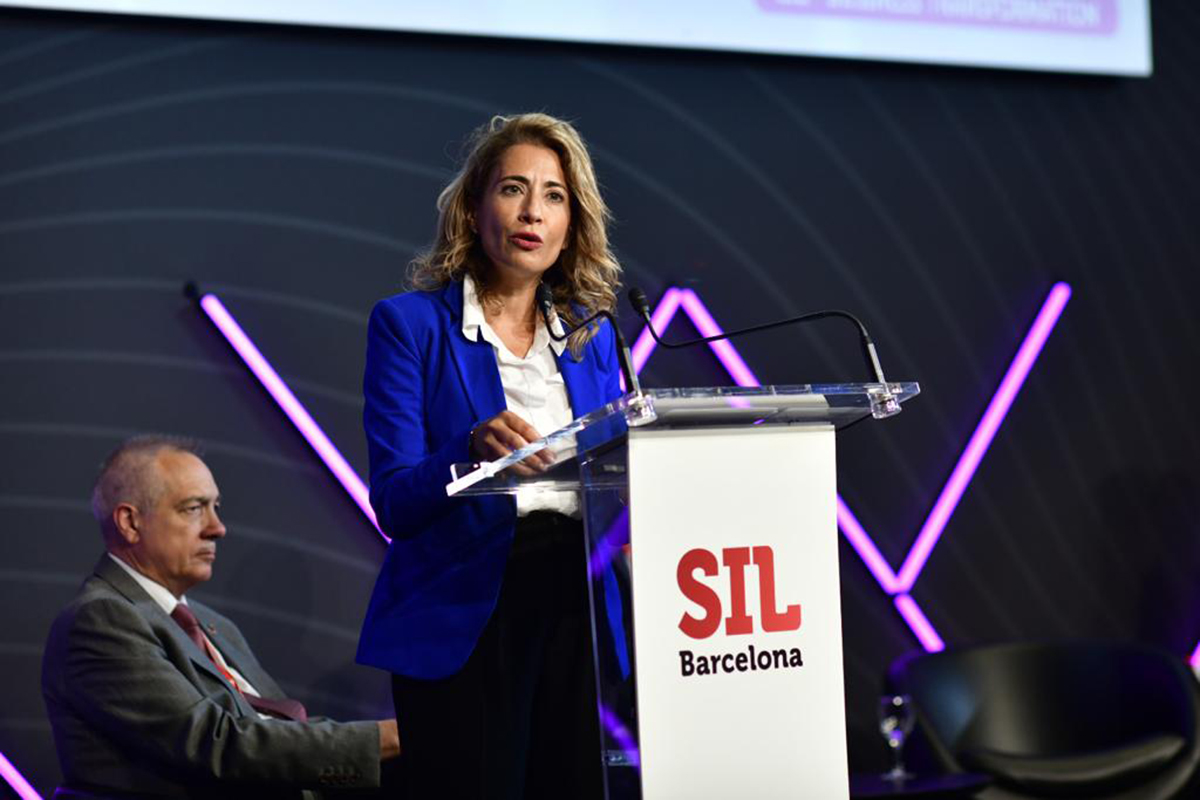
x=1096 y=36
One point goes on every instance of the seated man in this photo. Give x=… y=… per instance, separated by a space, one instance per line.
x=149 y=694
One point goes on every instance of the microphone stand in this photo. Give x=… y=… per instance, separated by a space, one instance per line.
x=639 y=410
x=883 y=401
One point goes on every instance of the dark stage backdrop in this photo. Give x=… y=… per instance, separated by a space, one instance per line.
x=293 y=171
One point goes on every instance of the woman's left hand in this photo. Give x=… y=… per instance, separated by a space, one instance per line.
x=504 y=433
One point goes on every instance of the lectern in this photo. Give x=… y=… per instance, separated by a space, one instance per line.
x=711 y=541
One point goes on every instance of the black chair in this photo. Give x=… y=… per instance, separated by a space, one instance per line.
x=1105 y=721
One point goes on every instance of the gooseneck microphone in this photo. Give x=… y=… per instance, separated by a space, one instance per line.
x=545 y=301
x=637 y=298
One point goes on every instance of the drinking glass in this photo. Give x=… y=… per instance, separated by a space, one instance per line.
x=896 y=717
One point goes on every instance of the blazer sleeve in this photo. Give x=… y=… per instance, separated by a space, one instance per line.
x=120 y=678
x=408 y=480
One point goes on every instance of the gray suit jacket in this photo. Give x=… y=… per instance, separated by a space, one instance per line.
x=137 y=707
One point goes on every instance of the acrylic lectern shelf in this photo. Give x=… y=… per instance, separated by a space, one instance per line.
x=835 y=405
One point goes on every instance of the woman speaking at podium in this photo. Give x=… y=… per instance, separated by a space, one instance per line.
x=480 y=611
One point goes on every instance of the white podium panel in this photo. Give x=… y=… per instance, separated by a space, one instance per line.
x=737 y=613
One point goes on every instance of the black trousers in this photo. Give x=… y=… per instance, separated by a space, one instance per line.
x=519 y=720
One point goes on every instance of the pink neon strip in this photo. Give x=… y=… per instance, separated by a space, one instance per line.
x=707 y=326
x=916 y=620
x=865 y=548
x=1195 y=659
x=287 y=401
x=984 y=433
x=17 y=781
x=671 y=302
x=660 y=319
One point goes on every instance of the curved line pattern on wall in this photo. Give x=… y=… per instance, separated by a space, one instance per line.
x=113 y=433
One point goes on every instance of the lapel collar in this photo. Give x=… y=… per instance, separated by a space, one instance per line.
x=117 y=578
x=112 y=574
x=582 y=390
x=475 y=360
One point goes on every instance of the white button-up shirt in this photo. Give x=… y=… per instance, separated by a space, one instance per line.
x=533 y=390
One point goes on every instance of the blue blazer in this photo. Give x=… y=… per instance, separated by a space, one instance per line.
x=426 y=386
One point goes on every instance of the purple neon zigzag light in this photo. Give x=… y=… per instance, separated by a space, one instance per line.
x=17 y=781
x=896 y=585
x=292 y=407
x=674 y=299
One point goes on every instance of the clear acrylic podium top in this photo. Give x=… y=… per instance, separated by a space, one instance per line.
x=836 y=405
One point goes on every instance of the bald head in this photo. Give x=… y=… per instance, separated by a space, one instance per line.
x=157 y=504
x=130 y=474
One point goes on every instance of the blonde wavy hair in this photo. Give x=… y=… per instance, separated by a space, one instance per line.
x=586 y=276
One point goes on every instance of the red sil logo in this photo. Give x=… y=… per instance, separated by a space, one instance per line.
x=739 y=621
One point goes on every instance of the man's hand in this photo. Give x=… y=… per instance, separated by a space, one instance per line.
x=389 y=739
x=502 y=434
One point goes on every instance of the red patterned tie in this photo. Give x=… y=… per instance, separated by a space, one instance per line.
x=284 y=709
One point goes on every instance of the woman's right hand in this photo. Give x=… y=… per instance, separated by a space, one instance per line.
x=502 y=434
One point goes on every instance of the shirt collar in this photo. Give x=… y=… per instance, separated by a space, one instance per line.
x=158 y=593
x=474 y=324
